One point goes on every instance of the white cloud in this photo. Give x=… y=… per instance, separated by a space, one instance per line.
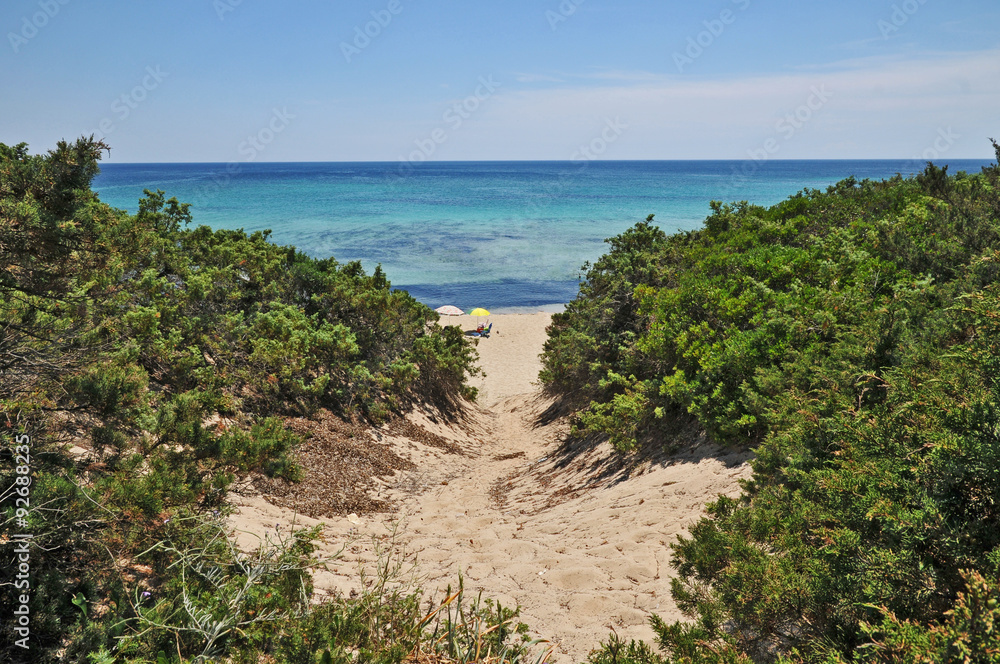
x=878 y=107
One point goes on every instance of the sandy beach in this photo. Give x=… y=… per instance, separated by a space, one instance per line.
x=509 y=357
x=574 y=536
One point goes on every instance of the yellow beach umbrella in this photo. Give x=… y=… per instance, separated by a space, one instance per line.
x=477 y=312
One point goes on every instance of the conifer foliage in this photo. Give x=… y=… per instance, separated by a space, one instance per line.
x=852 y=338
x=144 y=366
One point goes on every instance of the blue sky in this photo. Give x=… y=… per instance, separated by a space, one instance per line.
x=388 y=80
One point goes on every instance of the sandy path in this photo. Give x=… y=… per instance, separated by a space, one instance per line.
x=510 y=357
x=580 y=542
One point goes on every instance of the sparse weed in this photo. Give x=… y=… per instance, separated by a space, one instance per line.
x=384 y=622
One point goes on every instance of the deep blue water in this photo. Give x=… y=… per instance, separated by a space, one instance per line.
x=508 y=236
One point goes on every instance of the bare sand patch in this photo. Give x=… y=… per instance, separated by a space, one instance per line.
x=574 y=536
x=510 y=356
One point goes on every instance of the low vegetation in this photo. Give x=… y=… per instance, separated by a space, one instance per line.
x=144 y=367
x=852 y=338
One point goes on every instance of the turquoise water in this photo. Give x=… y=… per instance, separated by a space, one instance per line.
x=509 y=236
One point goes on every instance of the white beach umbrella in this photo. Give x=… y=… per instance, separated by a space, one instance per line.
x=448 y=310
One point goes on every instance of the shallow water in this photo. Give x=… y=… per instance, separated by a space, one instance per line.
x=510 y=236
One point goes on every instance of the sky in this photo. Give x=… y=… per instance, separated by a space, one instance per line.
x=417 y=80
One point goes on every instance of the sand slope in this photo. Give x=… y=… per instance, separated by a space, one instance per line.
x=574 y=536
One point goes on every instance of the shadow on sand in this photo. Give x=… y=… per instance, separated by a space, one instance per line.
x=680 y=440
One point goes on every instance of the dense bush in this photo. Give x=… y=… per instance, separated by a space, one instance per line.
x=172 y=353
x=851 y=336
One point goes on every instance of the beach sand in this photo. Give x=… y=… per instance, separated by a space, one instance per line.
x=509 y=357
x=574 y=536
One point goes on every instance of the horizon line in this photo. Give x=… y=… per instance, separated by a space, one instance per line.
x=536 y=161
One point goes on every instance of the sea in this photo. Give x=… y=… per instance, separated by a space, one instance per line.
x=511 y=237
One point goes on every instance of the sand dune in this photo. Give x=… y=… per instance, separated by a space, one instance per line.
x=574 y=536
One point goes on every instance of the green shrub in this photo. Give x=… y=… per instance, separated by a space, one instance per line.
x=172 y=352
x=851 y=337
